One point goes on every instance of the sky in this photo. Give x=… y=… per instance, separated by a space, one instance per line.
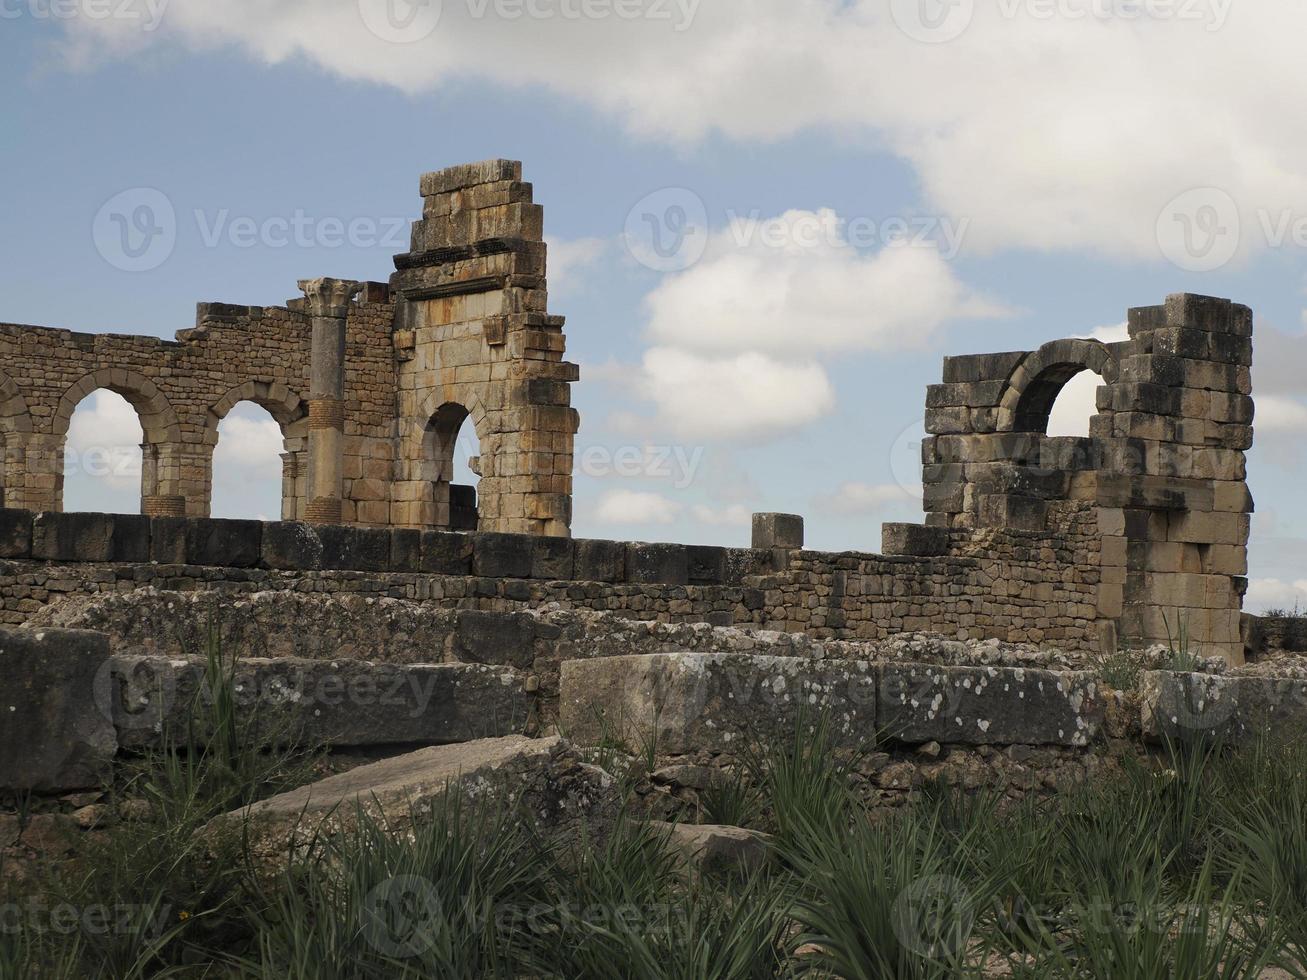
x=768 y=220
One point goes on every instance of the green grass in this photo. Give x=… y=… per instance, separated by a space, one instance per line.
x=1194 y=867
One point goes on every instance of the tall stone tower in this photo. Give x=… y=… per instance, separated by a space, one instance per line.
x=474 y=340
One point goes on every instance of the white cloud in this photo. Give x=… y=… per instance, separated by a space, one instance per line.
x=1046 y=125
x=747 y=397
x=569 y=261
x=812 y=294
x=868 y=498
x=1281 y=414
x=636 y=507
x=732 y=515
x=1274 y=593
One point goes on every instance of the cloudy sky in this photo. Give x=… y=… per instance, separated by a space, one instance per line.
x=769 y=219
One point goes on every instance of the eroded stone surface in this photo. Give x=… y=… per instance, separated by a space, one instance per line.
x=342 y=703
x=989 y=705
x=680 y=702
x=54 y=736
x=557 y=791
x=1189 y=705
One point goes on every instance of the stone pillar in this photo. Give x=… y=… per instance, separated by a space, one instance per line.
x=328 y=305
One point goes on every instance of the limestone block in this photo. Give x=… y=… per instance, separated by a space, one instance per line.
x=16 y=533
x=168 y=540
x=743 y=562
x=232 y=544
x=982 y=367
x=562 y=796
x=683 y=703
x=600 y=561
x=657 y=564
x=54 y=734
x=498 y=555
x=914 y=540
x=495 y=638
x=777 y=531
x=344 y=703
x=406 y=550
x=90 y=537
x=446 y=553
x=1190 y=705
x=291 y=546
x=988 y=705
x=361 y=549
x=553 y=558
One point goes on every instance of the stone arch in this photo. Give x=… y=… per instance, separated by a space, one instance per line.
x=1035 y=383
x=162 y=451
x=291 y=413
x=158 y=420
x=425 y=465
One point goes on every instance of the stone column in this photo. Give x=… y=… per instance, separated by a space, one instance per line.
x=328 y=305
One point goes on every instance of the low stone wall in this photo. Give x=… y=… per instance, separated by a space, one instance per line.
x=1014 y=586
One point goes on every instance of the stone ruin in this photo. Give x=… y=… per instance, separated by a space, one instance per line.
x=980 y=630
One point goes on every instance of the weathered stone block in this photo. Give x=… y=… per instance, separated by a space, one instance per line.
x=447 y=553
x=706 y=564
x=988 y=705
x=914 y=539
x=682 y=703
x=55 y=731
x=553 y=558
x=495 y=638
x=168 y=540
x=497 y=555
x=657 y=564
x=72 y=537
x=745 y=562
x=777 y=531
x=291 y=546
x=600 y=561
x=360 y=549
x=346 y=703
x=981 y=367
x=1187 y=706
x=225 y=543
x=16 y=533
x=560 y=795
x=406 y=550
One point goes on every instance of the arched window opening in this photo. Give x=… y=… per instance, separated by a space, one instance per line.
x=453 y=461
x=1074 y=404
x=249 y=469
x=103 y=466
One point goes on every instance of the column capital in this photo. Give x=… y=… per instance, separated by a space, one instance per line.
x=329 y=297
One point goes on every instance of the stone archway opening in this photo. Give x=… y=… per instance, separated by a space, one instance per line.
x=452 y=465
x=1074 y=404
x=250 y=465
x=103 y=457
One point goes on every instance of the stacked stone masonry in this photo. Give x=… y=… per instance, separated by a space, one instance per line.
x=369 y=382
x=1133 y=534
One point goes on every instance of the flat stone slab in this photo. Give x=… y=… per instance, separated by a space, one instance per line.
x=54 y=737
x=679 y=703
x=557 y=791
x=1186 y=705
x=711 y=848
x=989 y=705
x=346 y=703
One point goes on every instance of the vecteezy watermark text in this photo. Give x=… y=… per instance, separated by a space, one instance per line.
x=147 y=13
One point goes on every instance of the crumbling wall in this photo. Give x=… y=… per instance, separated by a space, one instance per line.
x=1162 y=469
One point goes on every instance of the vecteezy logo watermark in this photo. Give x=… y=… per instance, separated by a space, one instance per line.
x=401 y=21
x=667 y=231
x=400 y=916
x=148 y=13
x=933 y=916
x=932 y=21
x=1199 y=230
x=826 y=229
x=136 y=231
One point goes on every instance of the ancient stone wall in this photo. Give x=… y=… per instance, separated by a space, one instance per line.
x=369 y=383
x=1162 y=469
